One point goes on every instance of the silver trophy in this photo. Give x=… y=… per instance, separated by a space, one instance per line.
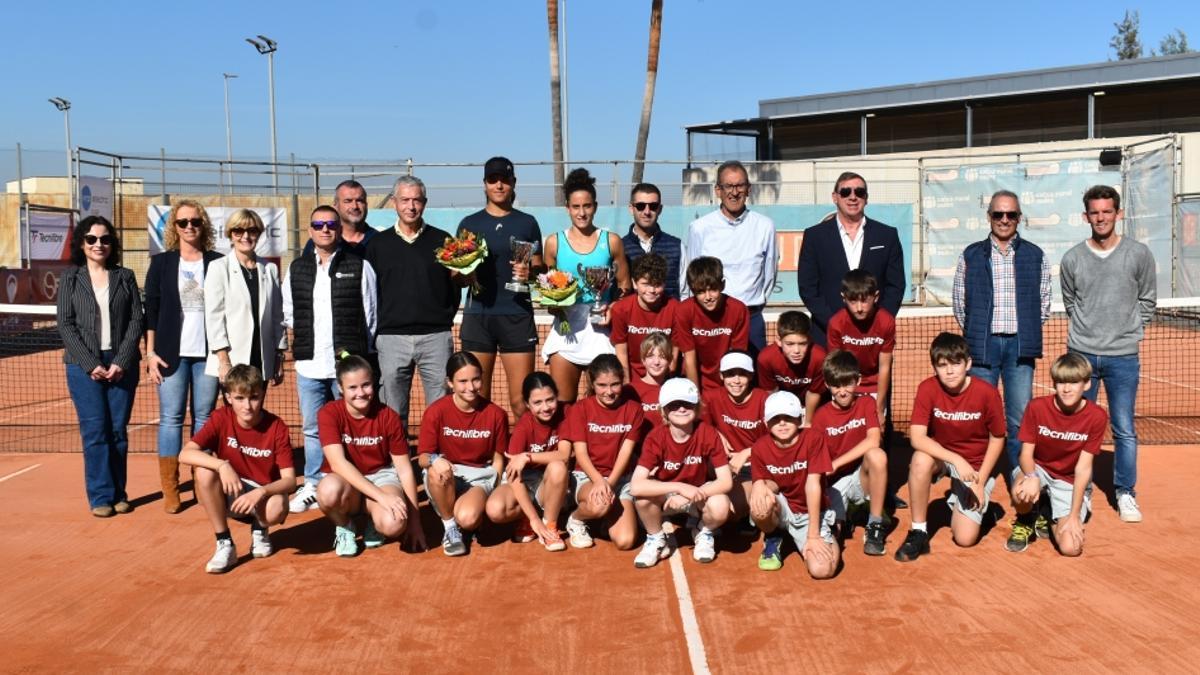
x=522 y=253
x=598 y=279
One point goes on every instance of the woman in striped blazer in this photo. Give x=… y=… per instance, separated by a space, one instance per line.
x=100 y=321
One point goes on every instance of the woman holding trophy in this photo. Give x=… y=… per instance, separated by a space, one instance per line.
x=499 y=317
x=596 y=258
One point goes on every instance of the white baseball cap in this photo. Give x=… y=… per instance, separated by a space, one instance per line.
x=783 y=403
x=737 y=361
x=678 y=389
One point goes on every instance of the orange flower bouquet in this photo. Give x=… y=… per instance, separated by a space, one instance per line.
x=557 y=289
x=463 y=254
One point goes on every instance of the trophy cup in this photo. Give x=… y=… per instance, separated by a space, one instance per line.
x=598 y=279
x=522 y=252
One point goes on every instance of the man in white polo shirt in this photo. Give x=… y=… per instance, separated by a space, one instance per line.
x=744 y=241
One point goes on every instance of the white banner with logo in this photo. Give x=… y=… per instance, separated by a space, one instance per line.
x=272 y=244
x=95 y=197
x=49 y=234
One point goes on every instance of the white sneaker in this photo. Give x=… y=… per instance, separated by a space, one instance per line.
x=305 y=499
x=224 y=559
x=1128 y=507
x=653 y=550
x=260 y=543
x=578 y=534
x=705 y=549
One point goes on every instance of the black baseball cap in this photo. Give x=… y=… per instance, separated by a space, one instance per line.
x=499 y=166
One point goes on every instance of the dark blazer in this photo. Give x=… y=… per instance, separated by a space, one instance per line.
x=79 y=318
x=823 y=265
x=164 y=315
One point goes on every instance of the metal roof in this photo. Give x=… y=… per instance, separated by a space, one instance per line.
x=1069 y=78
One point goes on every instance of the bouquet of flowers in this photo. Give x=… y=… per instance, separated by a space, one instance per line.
x=463 y=254
x=557 y=288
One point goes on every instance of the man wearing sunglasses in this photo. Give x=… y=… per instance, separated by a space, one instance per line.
x=1001 y=299
x=350 y=200
x=329 y=303
x=848 y=240
x=645 y=236
x=744 y=241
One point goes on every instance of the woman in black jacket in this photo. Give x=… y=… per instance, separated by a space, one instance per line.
x=100 y=321
x=176 y=344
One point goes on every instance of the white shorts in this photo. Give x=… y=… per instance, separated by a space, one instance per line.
x=385 y=476
x=846 y=491
x=1060 y=492
x=465 y=478
x=961 y=496
x=797 y=523
x=623 y=489
x=582 y=344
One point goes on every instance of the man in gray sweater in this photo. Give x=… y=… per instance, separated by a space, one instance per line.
x=1108 y=287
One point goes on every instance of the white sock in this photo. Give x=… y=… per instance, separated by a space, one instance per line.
x=448 y=523
x=657 y=536
x=704 y=529
x=921 y=526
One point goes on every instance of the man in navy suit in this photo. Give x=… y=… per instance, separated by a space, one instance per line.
x=848 y=241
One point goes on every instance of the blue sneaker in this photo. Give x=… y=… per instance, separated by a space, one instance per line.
x=772 y=556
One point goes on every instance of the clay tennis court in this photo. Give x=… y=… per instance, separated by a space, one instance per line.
x=130 y=593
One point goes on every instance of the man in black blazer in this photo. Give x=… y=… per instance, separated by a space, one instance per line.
x=848 y=241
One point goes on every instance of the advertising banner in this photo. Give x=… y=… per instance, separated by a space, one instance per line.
x=272 y=244
x=49 y=235
x=95 y=197
x=1188 y=281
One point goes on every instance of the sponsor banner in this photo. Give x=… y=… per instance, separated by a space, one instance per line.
x=1188 y=282
x=1148 y=209
x=790 y=223
x=95 y=197
x=49 y=235
x=273 y=243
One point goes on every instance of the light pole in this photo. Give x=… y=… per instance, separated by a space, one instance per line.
x=65 y=106
x=228 y=135
x=266 y=45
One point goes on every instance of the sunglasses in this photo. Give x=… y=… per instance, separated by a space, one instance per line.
x=642 y=206
x=185 y=223
x=318 y=225
x=1001 y=215
x=860 y=192
x=105 y=240
x=238 y=232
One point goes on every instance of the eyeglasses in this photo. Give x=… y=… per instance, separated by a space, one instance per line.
x=185 y=223
x=104 y=239
x=318 y=225
x=642 y=206
x=1001 y=215
x=734 y=187
x=860 y=192
x=239 y=232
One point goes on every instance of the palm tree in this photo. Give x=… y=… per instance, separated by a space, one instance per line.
x=639 y=155
x=555 y=99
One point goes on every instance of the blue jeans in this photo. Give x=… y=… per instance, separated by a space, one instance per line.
x=1120 y=377
x=313 y=395
x=758 y=332
x=173 y=399
x=1017 y=374
x=103 y=409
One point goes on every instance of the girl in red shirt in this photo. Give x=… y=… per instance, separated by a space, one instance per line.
x=655 y=357
x=537 y=467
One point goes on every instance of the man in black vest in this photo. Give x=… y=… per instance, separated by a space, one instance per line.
x=645 y=235
x=329 y=303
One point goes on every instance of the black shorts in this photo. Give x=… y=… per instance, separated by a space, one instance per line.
x=505 y=333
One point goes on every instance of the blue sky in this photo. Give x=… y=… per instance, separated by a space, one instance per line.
x=462 y=80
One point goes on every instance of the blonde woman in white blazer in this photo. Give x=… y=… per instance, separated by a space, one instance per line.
x=229 y=305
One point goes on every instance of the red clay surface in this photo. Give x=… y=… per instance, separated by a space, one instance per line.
x=82 y=594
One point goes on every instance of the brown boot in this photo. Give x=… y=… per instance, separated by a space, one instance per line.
x=168 y=474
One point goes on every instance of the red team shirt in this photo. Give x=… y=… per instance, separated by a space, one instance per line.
x=631 y=324
x=688 y=462
x=741 y=424
x=776 y=372
x=532 y=436
x=646 y=395
x=865 y=342
x=790 y=467
x=256 y=454
x=839 y=430
x=963 y=422
x=468 y=438
x=712 y=335
x=604 y=429
x=1059 y=438
x=369 y=442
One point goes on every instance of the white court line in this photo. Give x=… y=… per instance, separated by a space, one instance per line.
x=18 y=473
x=38 y=409
x=144 y=424
x=1176 y=426
x=1173 y=384
x=687 y=613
